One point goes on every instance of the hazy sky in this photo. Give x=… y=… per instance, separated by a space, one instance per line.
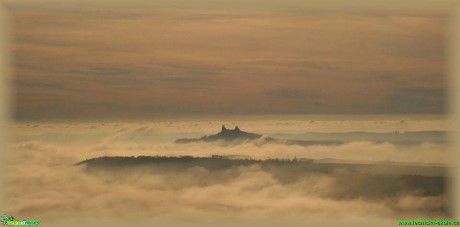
x=144 y=59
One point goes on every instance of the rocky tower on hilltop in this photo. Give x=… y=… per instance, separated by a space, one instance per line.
x=225 y=134
x=224 y=129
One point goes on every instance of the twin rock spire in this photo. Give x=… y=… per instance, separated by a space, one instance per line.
x=225 y=129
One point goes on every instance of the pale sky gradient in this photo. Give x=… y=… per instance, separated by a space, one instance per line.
x=120 y=60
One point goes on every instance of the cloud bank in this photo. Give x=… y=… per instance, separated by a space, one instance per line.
x=44 y=183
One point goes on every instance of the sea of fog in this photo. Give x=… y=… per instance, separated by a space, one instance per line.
x=48 y=186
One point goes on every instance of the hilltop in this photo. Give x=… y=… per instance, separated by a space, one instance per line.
x=226 y=135
x=239 y=135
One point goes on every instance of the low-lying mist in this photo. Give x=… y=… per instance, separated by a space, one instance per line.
x=45 y=183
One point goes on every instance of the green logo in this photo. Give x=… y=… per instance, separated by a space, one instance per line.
x=11 y=221
x=6 y=218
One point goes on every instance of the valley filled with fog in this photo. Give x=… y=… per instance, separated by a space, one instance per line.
x=396 y=171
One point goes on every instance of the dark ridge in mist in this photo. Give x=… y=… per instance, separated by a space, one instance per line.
x=351 y=181
x=326 y=139
x=216 y=162
x=242 y=136
x=225 y=134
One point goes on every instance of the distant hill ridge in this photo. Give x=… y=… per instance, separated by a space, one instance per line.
x=325 y=139
x=239 y=135
x=225 y=134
